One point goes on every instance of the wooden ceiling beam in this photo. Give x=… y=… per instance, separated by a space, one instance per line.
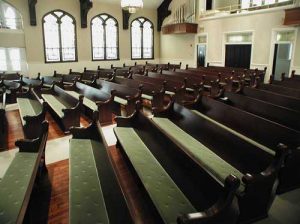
x=32 y=12
x=85 y=6
x=162 y=13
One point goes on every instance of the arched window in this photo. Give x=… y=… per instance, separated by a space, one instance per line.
x=59 y=30
x=142 y=39
x=105 y=40
x=10 y=18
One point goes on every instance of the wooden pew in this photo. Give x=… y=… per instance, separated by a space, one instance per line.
x=3 y=121
x=294 y=76
x=34 y=83
x=173 y=89
x=94 y=100
x=11 y=76
x=272 y=112
x=63 y=107
x=109 y=204
x=48 y=81
x=21 y=177
x=167 y=178
x=12 y=88
x=32 y=112
x=150 y=92
x=68 y=79
x=280 y=90
x=124 y=97
x=220 y=149
x=289 y=83
x=261 y=130
x=274 y=98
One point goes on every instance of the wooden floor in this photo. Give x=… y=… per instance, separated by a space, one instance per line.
x=51 y=198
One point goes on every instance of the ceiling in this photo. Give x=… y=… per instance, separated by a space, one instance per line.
x=147 y=3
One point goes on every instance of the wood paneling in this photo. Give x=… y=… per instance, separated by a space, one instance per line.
x=180 y=28
x=292 y=17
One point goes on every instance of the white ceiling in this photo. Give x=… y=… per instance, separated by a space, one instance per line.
x=147 y=3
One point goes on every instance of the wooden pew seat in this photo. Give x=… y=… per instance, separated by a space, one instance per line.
x=56 y=104
x=87 y=203
x=164 y=193
x=86 y=101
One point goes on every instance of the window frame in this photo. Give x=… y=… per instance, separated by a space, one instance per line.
x=142 y=38
x=118 y=37
x=60 y=41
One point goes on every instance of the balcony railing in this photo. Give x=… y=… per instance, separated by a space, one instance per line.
x=239 y=8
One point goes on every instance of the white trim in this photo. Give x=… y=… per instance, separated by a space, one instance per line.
x=248 y=13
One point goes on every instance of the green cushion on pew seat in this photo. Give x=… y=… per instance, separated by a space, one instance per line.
x=147 y=97
x=55 y=104
x=28 y=107
x=120 y=100
x=87 y=102
x=169 y=93
x=166 y=196
x=210 y=161
x=249 y=140
x=189 y=89
x=14 y=185
x=86 y=198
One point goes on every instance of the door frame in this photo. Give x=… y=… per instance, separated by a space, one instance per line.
x=241 y=43
x=272 y=48
x=196 y=48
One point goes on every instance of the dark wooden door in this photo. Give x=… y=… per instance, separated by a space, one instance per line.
x=238 y=55
x=201 y=49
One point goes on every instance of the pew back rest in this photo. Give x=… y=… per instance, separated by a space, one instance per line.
x=33 y=82
x=64 y=97
x=49 y=80
x=92 y=93
x=121 y=90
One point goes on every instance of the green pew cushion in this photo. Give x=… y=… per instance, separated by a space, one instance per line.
x=166 y=196
x=249 y=140
x=87 y=102
x=28 y=107
x=189 y=89
x=14 y=185
x=55 y=104
x=147 y=97
x=120 y=100
x=169 y=93
x=86 y=198
x=210 y=161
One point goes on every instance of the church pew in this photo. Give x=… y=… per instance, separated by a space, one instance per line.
x=3 y=121
x=68 y=79
x=274 y=98
x=12 y=88
x=173 y=89
x=105 y=73
x=94 y=100
x=34 y=83
x=272 y=112
x=150 y=92
x=200 y=136
x=32 y=112
x=64 y=108
x=90 y=165
x=48 y=81
x=167 y=178
x=123 y=97
x=192 y=90
x=261 y=130
x=11 y=76
x=280 y=90
x=289 y=83
x=294 y=76
x=21 y=178
x=86 y=76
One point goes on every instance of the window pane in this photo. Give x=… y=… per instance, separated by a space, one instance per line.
x=147 y=40
x=256 y=2
x=68 y=39
x=111 y=39
x=51 y=36
x=15 y=59
x=3 y=63
x=10 y=18
x=98 y=39
x=268 y=2
x=245 y=4
x=136 y=40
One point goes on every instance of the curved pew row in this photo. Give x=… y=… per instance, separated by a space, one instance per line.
x=93 y=183
x=289 y=83
x=221 y=150
x=32 y=112
x=280 y=90
x=64 y=108
x=274 y=98
x=272 y=112
x=94 y=100
x=48 y=81
x=22 y=174
x=175 y=188
x=34 y=83
x=11 y=89
x=150 y=92
x=124 y=97
x=261 y=130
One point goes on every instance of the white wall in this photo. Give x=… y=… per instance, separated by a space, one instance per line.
x=261 y=24
x=34 y=36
